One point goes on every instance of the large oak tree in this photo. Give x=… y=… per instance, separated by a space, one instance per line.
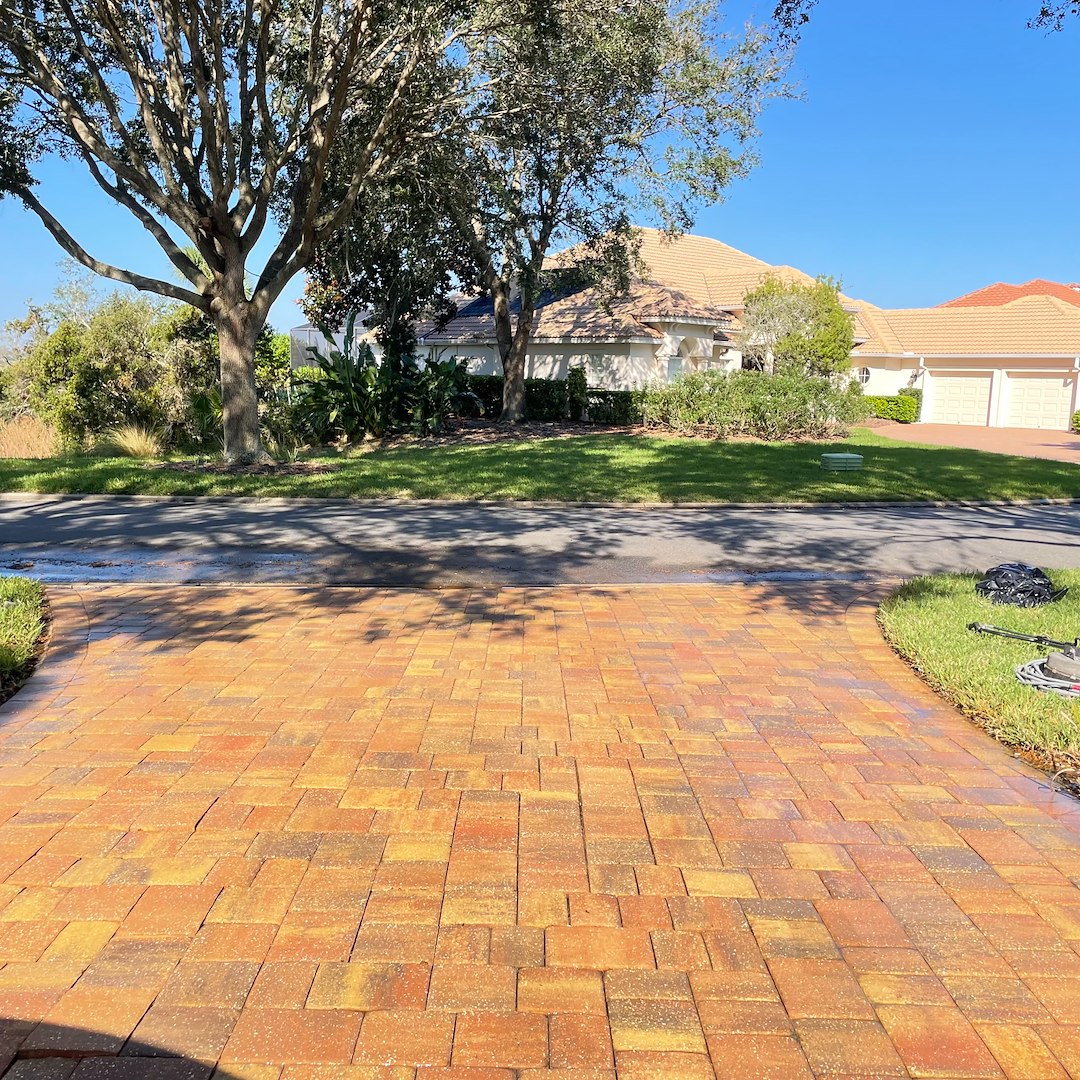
x=212 y=123
x=592 y=113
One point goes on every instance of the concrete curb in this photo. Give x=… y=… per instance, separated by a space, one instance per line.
x=528 y=504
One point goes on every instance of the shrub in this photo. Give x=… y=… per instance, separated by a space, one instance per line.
x=350 y=395
x=488 y=390
x=1076 y=422
x=752 y=403
x=27 y=437
x=134 y=440
x=576 y=393
x=621 y=408
x=902 y=408
x=87 y=380
x=915 y=394
x=545 y=399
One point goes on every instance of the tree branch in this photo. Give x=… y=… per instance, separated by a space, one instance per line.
x=127 y=277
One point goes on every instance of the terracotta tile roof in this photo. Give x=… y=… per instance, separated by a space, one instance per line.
x=698 y=279
x=999 y=293
x=1032 y=325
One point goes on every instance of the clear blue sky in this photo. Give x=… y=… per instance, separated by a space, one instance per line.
x=935 y=150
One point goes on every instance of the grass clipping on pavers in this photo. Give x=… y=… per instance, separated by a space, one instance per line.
x=22 y=626
x=926 y=620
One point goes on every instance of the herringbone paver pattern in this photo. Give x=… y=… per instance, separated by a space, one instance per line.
x=637 y=832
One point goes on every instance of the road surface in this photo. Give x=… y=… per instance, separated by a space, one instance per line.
x=101 y=538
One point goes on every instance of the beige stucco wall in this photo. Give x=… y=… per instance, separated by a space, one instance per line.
x=607 y=366
x=888 y=374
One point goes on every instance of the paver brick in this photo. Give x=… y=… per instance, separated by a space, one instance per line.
x=664 y=832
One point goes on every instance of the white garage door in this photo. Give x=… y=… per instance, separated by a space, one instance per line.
x=960 y=399
x=1040 y=401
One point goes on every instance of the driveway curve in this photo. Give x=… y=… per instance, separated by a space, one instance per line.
x=672 y=831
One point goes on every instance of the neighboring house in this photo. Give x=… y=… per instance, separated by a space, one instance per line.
x=1007 y=355
x=1014 y=365
x=999 y=293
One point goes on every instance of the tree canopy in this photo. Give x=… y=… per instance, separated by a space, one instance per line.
x=594 y=113
x=209 y=121
x=792 y=15
x=797 y=326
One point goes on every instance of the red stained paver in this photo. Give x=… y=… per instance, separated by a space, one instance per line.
x=629 y=833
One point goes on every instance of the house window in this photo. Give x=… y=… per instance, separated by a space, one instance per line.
x=863 y=376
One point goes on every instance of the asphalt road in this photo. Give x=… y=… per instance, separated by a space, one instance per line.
x=99 y=538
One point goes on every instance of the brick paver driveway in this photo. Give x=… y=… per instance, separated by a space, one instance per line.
x=646 y=832
x=1025 y=442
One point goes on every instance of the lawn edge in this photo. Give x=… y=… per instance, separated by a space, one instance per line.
x=538 y=504
x=1047 y=762
x=14 y=682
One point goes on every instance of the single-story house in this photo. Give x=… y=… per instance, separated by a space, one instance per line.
x=1003 y=356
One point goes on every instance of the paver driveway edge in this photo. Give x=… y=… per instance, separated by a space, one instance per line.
x=623 y=833
x=862 y=627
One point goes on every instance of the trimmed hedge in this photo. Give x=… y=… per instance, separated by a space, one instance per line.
x=489 y=389
x=545 y=399
x=577 y=389
x=619 y=408
x=904 y=409
x=1076 y=422
x=916 y=394
x=772 y=407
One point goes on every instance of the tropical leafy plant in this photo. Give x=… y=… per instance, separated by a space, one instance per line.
x=352 y=395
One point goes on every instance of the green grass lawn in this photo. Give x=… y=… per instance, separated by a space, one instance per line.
x=619 y=468
x=926 y=620
x=22 y=620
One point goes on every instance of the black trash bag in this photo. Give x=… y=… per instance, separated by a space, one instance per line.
x=1018 y=584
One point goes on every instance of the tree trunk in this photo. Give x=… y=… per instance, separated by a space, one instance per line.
x=513 y=359
x=237 y=330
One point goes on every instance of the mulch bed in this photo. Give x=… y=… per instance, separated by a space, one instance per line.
x=484 y=432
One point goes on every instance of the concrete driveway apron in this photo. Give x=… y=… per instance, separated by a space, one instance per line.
x=669 y=831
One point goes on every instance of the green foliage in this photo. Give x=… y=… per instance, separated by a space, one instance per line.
x=1076 y=422
x=86 y=380
x=915 y=393
x=488 y=390
x=353 y=396
x=790 y=405
x=340 y=403
x=14 y=390
x=546 y=400
x=902 y=408
x=619 y=408
x=272 y=363
x=22 y=607
x=799 y=327
x=576 y=392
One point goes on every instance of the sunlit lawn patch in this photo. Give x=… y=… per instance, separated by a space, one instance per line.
x=610 y=468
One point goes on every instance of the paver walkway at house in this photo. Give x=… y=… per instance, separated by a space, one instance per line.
x=681 y=831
